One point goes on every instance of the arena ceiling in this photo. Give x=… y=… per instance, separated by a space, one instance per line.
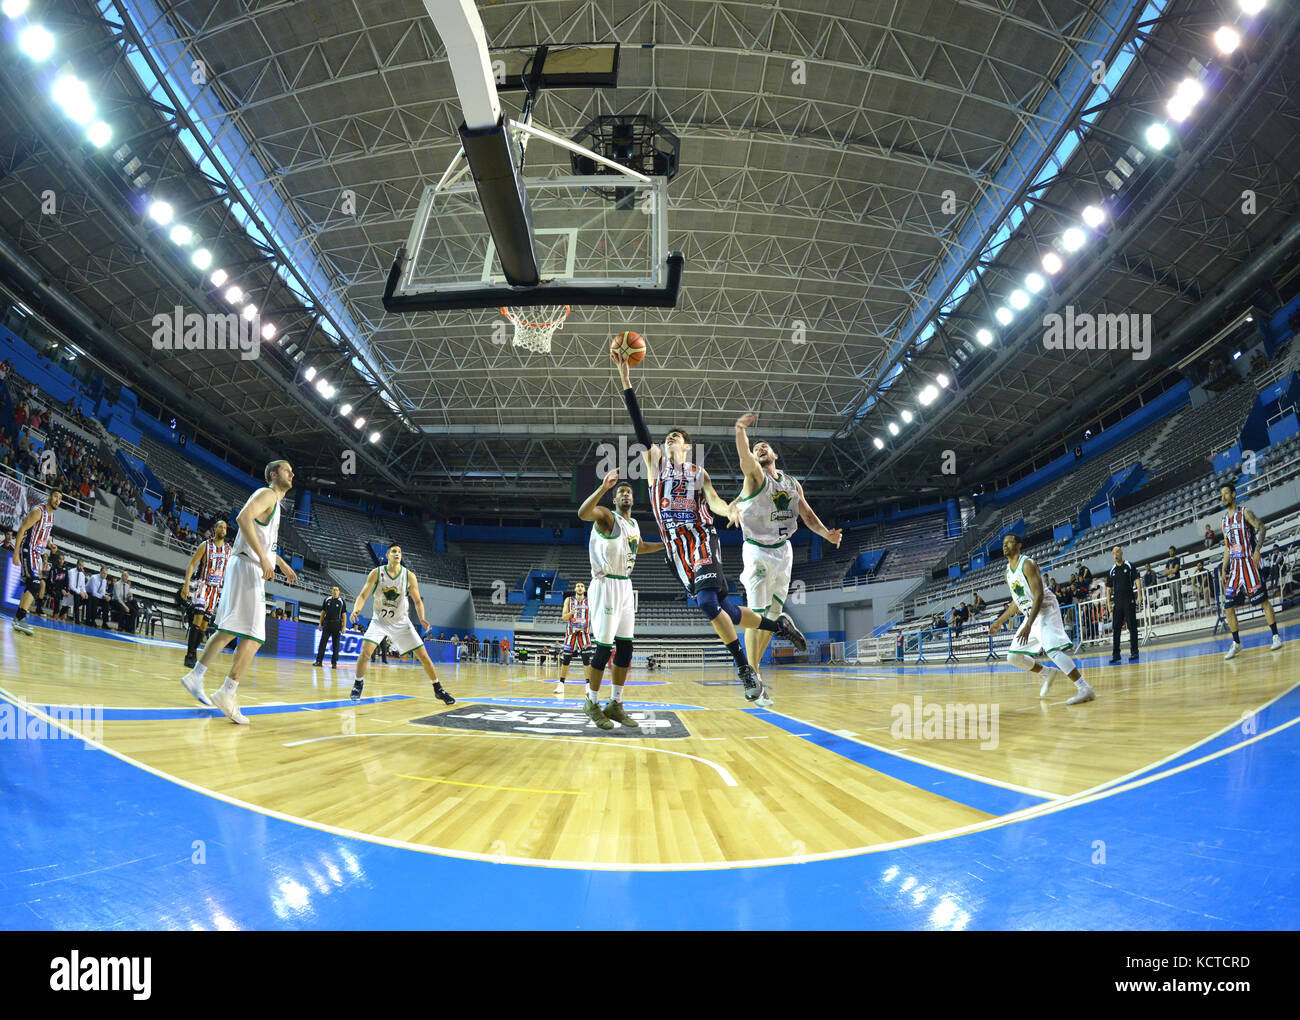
x=813 y=197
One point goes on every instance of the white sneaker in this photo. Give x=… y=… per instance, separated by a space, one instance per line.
x=229 y=706
x=1277 y=642
x=20 y=626
x=559 y=688
x=1046 y=689
x=193 y=683
x=764 y=699
x=1232 y=652
x=1085 y=693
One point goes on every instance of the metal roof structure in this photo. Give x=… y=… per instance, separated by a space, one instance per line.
x=849 y=172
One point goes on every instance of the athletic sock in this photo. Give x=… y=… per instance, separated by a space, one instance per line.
x=229 y=686
x=1273 y=628
x=1235 y=638
x=592 y=695
x=18 y=616
x=738 y=654
x=194 y=639
x=200 y=669
x=618 y=693
x=768 y=624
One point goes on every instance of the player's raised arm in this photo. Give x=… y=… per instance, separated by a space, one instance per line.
x=652 y=453
x=749 y=465
x=716 y=503
x=810 y=518
x=591 y=510
x=372 y=579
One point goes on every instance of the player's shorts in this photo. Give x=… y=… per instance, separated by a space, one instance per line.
x=577 y=641
x=766 y=575
x=613 y=609
x=206 y=598
x=703 y=570
x=1244 y=583
x=1046 y=635
x=29 y=561
x=402 y=638
x=241 y=609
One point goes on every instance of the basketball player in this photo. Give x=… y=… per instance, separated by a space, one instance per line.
x=769 y=508
x=213 y=554
x=577 y=632
x=613 y=547
x=1043 y=629
x=681 y=496
x=29 y=548
x=241 y=610
x=1243 y=537
x=391 y=619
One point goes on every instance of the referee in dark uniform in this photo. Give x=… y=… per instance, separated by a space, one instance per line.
x=332 y=615
x=1123 y=594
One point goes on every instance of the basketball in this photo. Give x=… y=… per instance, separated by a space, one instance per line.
x=630 y=345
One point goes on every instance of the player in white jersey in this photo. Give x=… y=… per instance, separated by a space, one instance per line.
x=614 y=545
x=769 y=508
x=242 y=610
x=1043 y=630
x=392 y=584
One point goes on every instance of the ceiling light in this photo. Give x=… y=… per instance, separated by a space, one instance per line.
x=1251 y=6
x=1052 y=263
x=250 y=311
x=15 y=8
x=219 y=277
x=36 y=43
x=878 y=443
x=1004 y=316
x=345 y=410
x=99 y=134
x=1019 y=299
x=1227 y=39
x=1034 y=283
x=234 y=295
x=907 y=417
x=1158 y=136
x=374 y=437
x=181 y=234
x=926 y=397
x=360 y=423
x=202 y=258
x=1093 y=216
x=310 y=374
x=893 y=429
x=1072 y=239
x=161 y=213
x=71 y=93
x=984 y=337
x=268 y=331
x=942 y=380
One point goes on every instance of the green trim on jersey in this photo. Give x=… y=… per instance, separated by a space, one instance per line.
x=746 y=499
x=769 y=545
x=602 y=644
x=266 y=522
x=614 y=577
x=226 y=630
x=391 y=577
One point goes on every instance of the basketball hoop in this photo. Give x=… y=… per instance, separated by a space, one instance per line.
x=535 y=326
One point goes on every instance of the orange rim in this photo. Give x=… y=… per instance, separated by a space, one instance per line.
x=534 y=325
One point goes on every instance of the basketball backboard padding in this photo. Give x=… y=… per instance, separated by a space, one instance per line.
x=664 y=295
x=504 y=200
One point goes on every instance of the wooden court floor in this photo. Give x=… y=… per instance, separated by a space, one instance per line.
x=845 y=761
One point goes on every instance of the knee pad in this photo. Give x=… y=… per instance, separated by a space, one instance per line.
x=566 y=658
x=1025 y=662
x=732 y=609
x=586 y=656
x=1063 y=662
x=600 y=658
x=709 y=604
x=622 y=652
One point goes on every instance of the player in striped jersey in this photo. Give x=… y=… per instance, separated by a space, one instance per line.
x=577 y=632
x=1243 y=581
x=769 y=508
x=30 y=544
x=681 y=497
x=213 y=555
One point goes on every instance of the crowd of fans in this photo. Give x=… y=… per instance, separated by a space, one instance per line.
x=74 y=594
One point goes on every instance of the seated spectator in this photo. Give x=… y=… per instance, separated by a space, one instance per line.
x=9 y=540
x=1209 y=537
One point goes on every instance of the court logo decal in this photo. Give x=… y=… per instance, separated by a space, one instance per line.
x=565 y=721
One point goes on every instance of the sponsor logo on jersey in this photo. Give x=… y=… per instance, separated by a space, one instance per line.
x=501 y=719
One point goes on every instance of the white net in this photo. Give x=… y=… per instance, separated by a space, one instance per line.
x=535 y=325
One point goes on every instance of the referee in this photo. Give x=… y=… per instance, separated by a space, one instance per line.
x=331 y=626
x=1123 y=594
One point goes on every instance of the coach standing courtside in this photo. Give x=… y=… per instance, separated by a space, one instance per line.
x=1123 y=595
x=331 y=626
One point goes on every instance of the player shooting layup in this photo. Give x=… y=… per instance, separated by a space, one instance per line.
x=681 y=496
x=769 y=508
